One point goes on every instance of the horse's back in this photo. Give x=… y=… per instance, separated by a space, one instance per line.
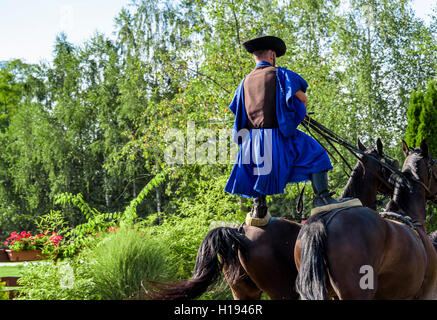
x=278 y=232
x=269 y=258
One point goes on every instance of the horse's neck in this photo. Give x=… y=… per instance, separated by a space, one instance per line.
x=408 y=201
x=359 y=187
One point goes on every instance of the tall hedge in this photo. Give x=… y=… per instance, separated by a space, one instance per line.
x=422 y=117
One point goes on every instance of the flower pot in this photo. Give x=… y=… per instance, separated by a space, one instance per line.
x=3 y=255
x=26 y=255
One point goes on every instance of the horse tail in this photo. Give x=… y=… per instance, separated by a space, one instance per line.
x=222 y=241
x=310 y=282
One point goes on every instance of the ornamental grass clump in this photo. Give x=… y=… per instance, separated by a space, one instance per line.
x=123 y=259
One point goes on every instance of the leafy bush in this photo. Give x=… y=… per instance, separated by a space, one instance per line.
x=74 y=239
x=67 y=280
x=432 y=225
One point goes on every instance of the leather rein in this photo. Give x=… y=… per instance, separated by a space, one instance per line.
x=330 y=137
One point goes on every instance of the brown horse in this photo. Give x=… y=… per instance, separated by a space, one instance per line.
x=363 y=256
x=260 y=259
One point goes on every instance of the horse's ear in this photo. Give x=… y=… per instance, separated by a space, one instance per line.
x=424 y=149
x=379 y=146
x=395 y=164
x=405 y=148
x=360 y=145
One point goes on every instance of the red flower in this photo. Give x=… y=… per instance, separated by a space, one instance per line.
x=54 y=239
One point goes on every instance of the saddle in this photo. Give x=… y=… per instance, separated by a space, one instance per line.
x=258 y=222
x=329 y=207
x=261 y=222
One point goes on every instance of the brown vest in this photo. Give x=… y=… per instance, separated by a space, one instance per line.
x=260 y=98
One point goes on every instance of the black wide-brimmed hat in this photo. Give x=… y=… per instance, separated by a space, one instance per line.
x=264 y=43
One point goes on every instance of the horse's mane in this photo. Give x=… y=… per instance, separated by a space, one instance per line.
x=403 y=185
x=351 y=187
x=412 y=163
x=411 y=167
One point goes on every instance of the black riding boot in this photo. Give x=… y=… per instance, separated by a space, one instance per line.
x=322 y=197
x=259 y=209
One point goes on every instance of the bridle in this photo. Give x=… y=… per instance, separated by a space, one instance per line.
x=331 y=137
x=380 y=174
x=431 y=166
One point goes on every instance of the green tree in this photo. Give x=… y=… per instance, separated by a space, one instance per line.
x=422 y=117
x=10 y=91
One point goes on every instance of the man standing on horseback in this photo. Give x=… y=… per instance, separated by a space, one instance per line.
x=269 y=104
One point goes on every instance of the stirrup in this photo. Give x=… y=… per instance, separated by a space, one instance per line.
x=325 y=198
x=355 y=202
x=258 y=222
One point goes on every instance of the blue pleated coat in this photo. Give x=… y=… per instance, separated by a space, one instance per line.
x=268 y=159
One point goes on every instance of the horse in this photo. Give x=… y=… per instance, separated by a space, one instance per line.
x=362 y=255
x=260 y=259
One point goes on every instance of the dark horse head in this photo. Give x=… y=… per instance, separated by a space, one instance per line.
x=419 y=177
x=370 y=174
